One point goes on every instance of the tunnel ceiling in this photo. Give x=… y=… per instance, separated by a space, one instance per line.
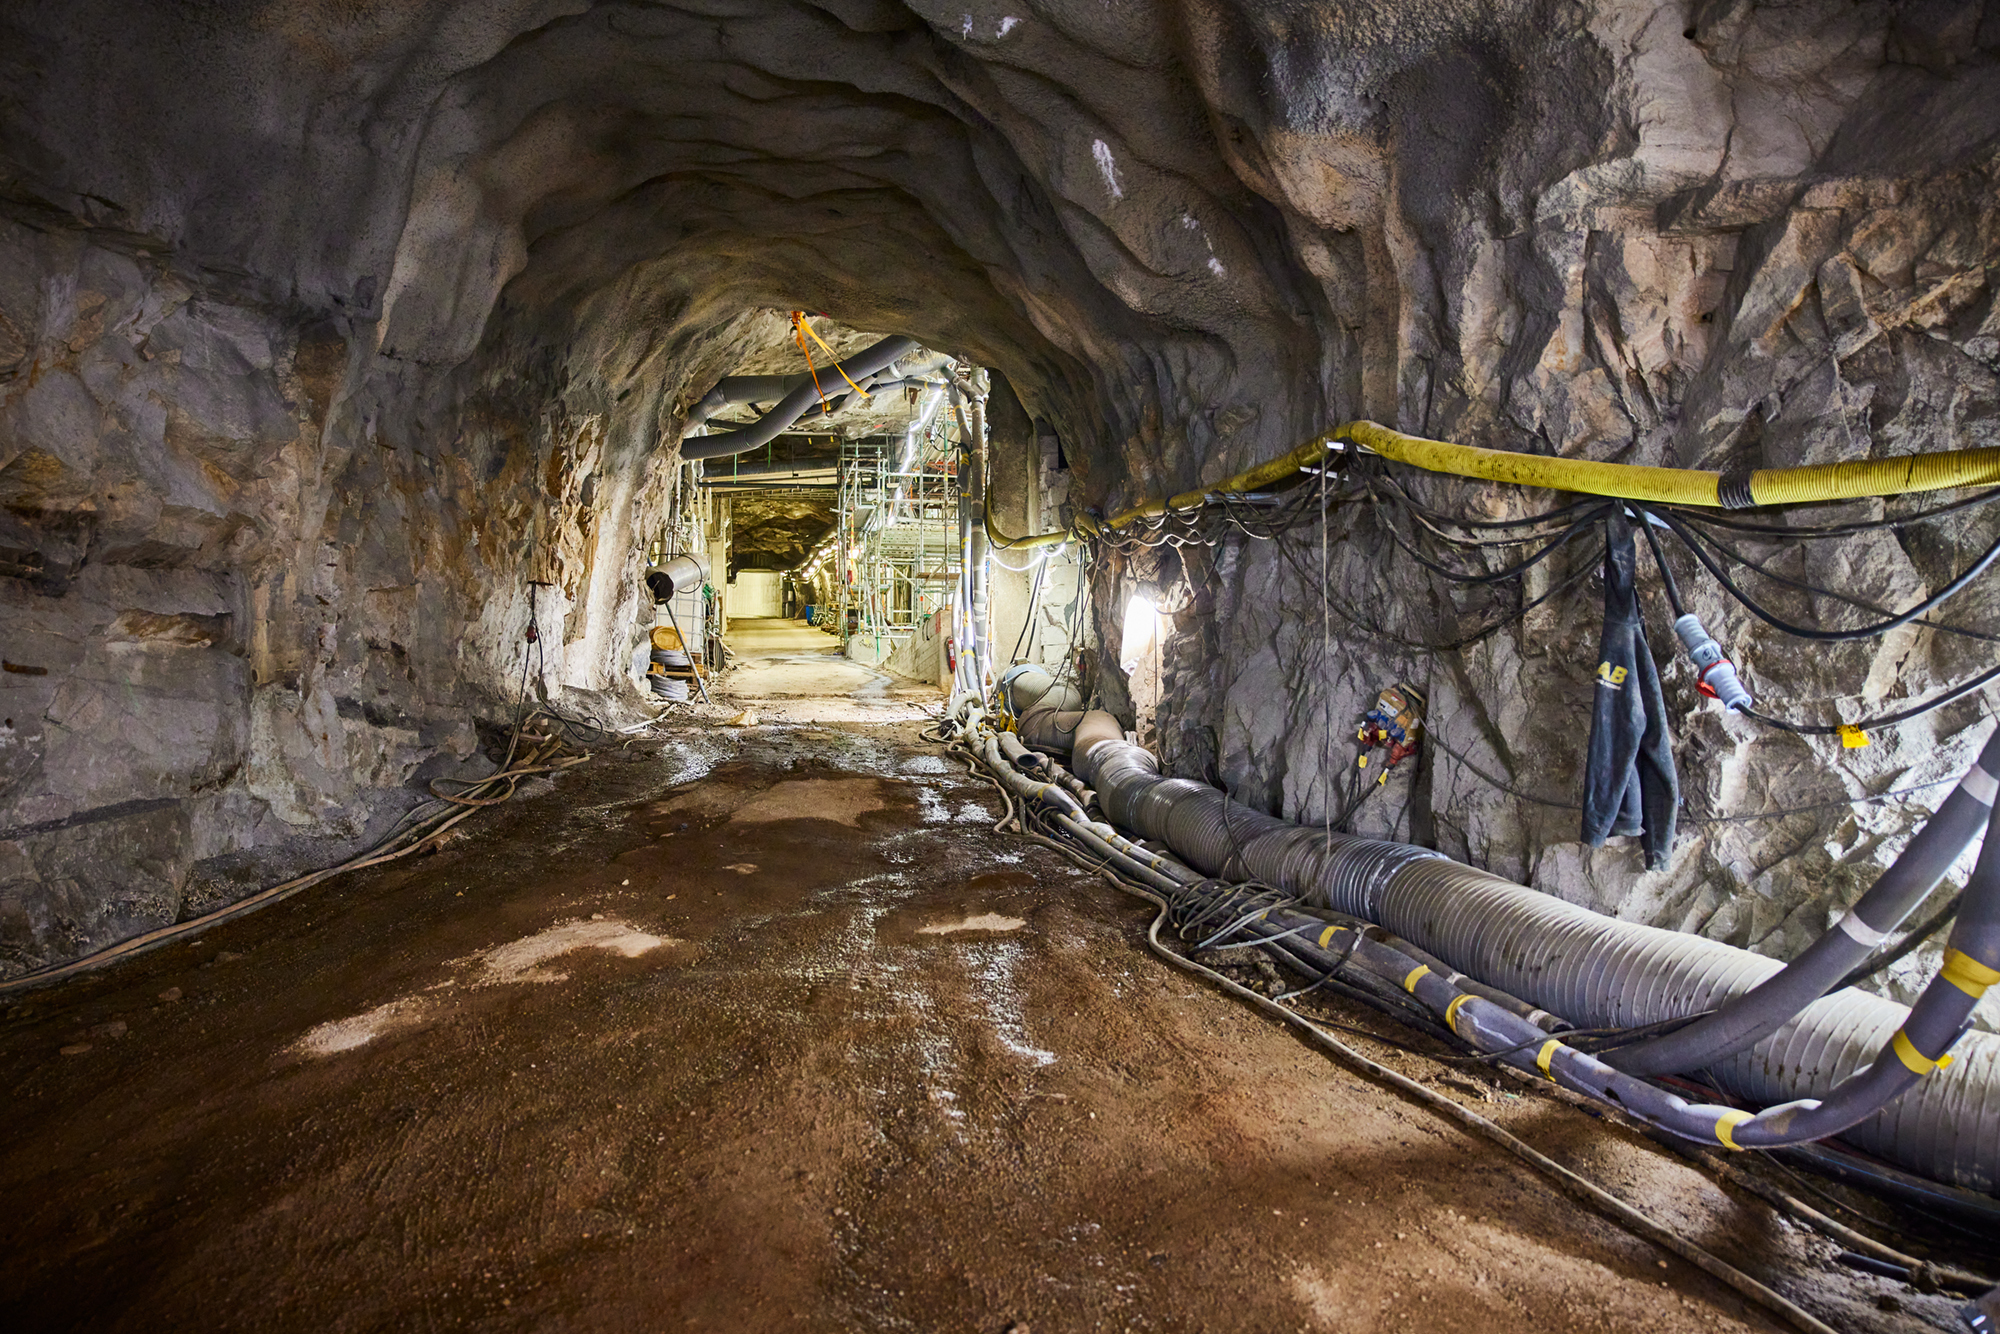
x=1061 y=194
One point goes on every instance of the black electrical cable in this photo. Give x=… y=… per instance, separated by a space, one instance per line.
x=1354 y=618
x=1958 y=691
x=1501 y=783
x=1660 y=563
x=1041 y=572
x=1593 y=1041
x=1842 y=803
x=1802 y=586
x=1378 y=466
x=1903 y=618
x=1419 y=510
x=1713 y=519
x=1514 y=571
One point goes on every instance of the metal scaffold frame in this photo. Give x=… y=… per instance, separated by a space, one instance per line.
x=895 y=554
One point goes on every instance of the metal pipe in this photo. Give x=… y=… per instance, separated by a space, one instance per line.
x=973 y=428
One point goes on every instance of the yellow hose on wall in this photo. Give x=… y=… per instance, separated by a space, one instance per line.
x=1623 y=481
x=1687 y=486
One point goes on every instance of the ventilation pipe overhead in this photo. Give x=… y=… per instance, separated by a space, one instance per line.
x=868 y=362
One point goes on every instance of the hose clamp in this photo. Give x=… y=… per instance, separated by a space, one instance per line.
x=1732 y=489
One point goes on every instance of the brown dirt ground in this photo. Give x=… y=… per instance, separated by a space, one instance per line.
x=797 y=1110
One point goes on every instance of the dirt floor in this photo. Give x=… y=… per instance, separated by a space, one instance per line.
x=789 y=672
x=766 y=1029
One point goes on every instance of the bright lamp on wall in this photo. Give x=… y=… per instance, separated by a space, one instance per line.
x=1142 y=630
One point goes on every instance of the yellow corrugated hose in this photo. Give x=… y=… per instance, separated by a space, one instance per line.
x=1624 y=481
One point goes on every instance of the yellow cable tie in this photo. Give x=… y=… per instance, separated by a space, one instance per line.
x=1913 y=1060
x=1451 y=1012
x=1725 y=1129
x=1329 y=934
x=1546 y=1055
x=1967 y=973
x=1852 y=737
x=1410 y=982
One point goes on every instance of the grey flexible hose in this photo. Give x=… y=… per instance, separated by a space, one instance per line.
x=793 y=405
x=1758 y=1012
x=826 y=469
x=1596 y=972
x=1120 y=853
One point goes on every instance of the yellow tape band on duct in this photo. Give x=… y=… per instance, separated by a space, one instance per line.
x=1547 y=1054
x=1968 y=974
x=1725 y=1129
x=1913 y=1060
x=1329 y=934
x=1451 y=1012
x=1410 y=982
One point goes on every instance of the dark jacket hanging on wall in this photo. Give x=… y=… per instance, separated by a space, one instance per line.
x=1629 y=783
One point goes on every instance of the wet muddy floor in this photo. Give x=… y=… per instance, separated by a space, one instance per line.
x=766 y=1029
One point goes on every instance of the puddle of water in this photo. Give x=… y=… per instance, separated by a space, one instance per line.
x=841 y=800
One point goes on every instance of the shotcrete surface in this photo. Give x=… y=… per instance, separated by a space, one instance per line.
x=767 y=1029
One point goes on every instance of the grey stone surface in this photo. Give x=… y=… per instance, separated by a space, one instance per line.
x=321 y=335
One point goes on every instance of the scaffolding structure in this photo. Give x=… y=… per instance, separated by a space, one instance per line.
x=895 y=542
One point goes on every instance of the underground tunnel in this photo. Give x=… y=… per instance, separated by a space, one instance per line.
x=840 y=664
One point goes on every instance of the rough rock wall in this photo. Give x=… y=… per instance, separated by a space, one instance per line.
x=1780 y=249
x=510 y=239
x=774 y=532
x=252 y=608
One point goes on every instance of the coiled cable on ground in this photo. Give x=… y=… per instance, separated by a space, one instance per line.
x=419 y=828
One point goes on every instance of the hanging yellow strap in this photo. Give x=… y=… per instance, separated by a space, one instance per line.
x=798 y=323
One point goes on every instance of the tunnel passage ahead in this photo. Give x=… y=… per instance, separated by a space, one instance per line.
x=784 y=669
x=762 y=1036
